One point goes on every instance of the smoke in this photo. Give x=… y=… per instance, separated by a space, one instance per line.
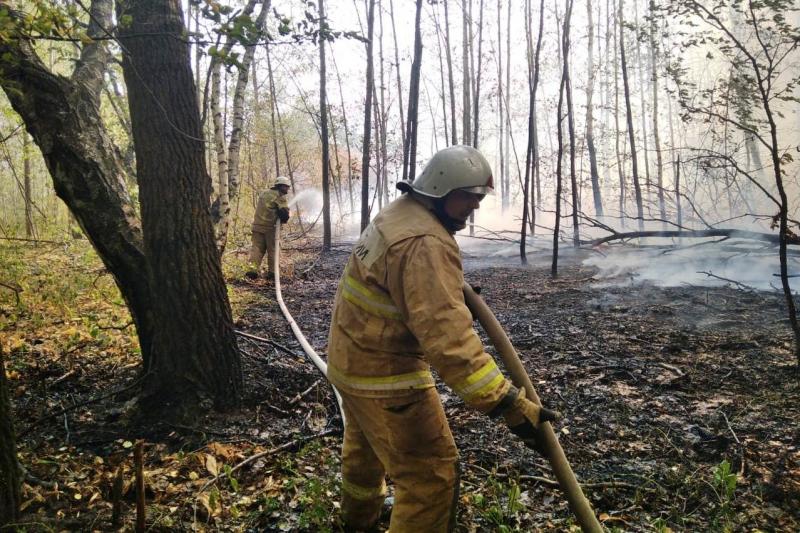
x=704 y=263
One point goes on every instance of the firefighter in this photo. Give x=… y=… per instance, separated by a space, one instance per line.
x=399 y=311
x=271 y=207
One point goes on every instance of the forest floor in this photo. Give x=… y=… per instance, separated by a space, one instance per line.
x=681 y=406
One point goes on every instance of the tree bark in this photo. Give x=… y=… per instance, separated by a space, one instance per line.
x=62 y=116
x=629 y=114
x=367 y=119
x=323 y=105
x=26 y=177
x=662 y=209
x=595 y=174
x=410 y=153
x=195 y=358
x=575 y=192
x=450 y=77
x=559 y=166
x=10 y=475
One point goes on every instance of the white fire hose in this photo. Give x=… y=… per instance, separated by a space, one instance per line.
x=310 y=352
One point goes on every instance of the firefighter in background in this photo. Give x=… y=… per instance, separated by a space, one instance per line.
x=400 y=310
x=271 y=207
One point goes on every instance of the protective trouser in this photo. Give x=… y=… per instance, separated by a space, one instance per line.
x=409 y=439
x=263 y=242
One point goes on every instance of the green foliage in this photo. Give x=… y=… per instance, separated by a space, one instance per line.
x=724 y=485
x=500 y=506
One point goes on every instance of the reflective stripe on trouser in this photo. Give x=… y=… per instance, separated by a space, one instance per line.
x=263 y=242
x=410 y=439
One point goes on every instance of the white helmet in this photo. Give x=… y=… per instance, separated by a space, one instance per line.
x=282 y=180
x=455 y=167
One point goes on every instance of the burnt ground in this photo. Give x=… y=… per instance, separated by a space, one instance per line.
x=681 y=411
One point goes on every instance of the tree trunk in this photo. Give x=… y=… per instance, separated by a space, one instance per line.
x=500 y=94
x=410 y=154
x=559 y=166
x=347 y=145
x=662 y=209
x=629 y=114
x=63 y=118
x=194 y=353
x=571 y=129
x=367 y=119
x=595 y=174
x=450 y=77
x=10 y=475
x=642 y=92
x=617 y=151
x=26 y=177
x=323 y=105
x=397 y=71
x=476 y=106
x=466 y=77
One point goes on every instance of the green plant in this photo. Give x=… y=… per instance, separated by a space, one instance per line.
x=500 y=506
x=724 y=486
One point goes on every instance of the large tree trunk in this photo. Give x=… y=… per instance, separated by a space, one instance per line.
x=367 y=119
x=194 y=353
x=63 y=117
x=9 y=468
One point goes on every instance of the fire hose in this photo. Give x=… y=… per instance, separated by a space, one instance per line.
x=307 y=348
x=546 y=436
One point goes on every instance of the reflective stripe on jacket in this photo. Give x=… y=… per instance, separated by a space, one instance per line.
x=267 y=210
x=400 y=308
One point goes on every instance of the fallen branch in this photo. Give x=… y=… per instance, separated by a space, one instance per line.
x=696 y=234
x=733 y=281
x=268 y=341
x=304 y=393
x=282 y=447
x=16 y=288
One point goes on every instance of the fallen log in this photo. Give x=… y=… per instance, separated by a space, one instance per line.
x=772 y=238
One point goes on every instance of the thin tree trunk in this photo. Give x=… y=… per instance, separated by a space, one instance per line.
x=500 y=93
x=397 y=71
x=642 y=92
x=272 y=105
x=678 y=213
x=450 y=77
x=629 y=114
x=595 y=174
x=618 y=152
x=235 y=142
x=26 y=177
x=476 y=114
x=559 y=179
x=442 y=93
x=571 y=127
x=466 y=78
x=409 y=155
x=531 y=152
x=654 y=80
x=509 y=107
x=365 y=215
x=323 y=105
x=10 y=475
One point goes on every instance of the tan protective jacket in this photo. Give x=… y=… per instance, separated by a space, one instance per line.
x=267 y=210
x=400 y=308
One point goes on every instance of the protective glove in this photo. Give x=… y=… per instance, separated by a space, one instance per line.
x=283 y=214
x=523 y=419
